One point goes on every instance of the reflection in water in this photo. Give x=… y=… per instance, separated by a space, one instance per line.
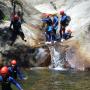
x=57 y=80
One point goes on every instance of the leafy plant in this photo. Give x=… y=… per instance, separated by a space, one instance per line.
x=5 y=18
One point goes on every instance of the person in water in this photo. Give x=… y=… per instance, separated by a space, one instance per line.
x=6 y=80
x=14 y=70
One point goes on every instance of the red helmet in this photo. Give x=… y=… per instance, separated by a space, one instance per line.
x=62 y=12
x=46 y=14
x=16 y=17
x=4 y=70
x=13 y=62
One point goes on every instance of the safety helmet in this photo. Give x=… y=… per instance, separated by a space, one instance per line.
x=4 y=70
x=47 y=14
x=16 y=17
x=62 y=12
x=13 y=62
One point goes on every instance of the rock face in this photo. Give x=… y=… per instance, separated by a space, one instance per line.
x=28 y=57
x=77 y=52
x=28 y=54
x=4 y=9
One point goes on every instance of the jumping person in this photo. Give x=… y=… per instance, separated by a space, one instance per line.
x=16 y=29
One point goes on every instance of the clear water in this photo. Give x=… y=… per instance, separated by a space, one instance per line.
x=57 y=80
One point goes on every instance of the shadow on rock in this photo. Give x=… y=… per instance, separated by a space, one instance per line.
x=5 y=34
x=27 y=57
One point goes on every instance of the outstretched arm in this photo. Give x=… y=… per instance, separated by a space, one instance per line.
x=45 y=19
x=15 y=83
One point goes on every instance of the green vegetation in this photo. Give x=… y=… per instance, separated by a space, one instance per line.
x=5 y=18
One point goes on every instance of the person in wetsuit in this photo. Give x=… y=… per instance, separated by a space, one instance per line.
x=16 y=23
x=6 y=80
x=14 y=71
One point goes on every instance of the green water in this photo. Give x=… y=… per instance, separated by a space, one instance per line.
x=56 y=80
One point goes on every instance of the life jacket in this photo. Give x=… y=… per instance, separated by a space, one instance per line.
x=55 y=20
x=55 y=23
x=13 y=72
x=49 y=28
x=65 y=20
x=6 y=84
x=68 y=19
x=16 y=25
x=49 y=22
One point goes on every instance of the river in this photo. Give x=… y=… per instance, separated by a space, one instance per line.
x=57 y=80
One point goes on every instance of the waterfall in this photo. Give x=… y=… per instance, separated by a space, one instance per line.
x=56 y=59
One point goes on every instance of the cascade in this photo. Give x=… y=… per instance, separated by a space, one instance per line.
x=57 y=60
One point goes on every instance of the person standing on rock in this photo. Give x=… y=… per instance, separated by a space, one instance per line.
x=55 y=26
x=6 y=80
x=64 y=22
x=49 y=28
x=16 y=29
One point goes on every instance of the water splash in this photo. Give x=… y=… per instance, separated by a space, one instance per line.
x=56 y=59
